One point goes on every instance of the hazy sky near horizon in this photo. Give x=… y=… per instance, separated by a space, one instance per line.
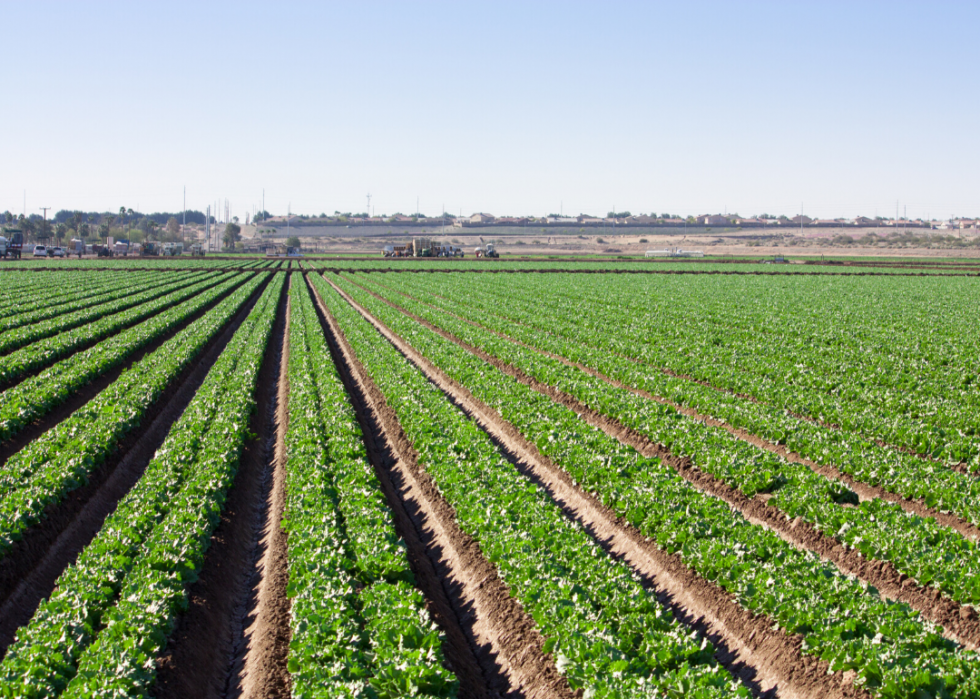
x=504 y=107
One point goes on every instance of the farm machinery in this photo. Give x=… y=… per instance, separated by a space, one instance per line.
x=487 y=251
x=423 y=247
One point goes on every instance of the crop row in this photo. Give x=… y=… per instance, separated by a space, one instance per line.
x=92 y=308
x=358 y=625
x=864 y=460
x=918 y=547
x=609 y=636
x=154 y=592
x=44 y=472
x=37 y=395
x=892 y=652
x=927 y=401
x=29 y=291
x=63 y=294
x=22 y=362
x=43 y=659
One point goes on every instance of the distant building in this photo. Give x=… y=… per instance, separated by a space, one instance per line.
x=864 y=221
x=716 y=220
x=805 y=219
x=481 y=218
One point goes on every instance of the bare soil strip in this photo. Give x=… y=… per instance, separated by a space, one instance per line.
x=863 y=490
x=960 y=622
x=764 y=659
x=201 y=652
x=92 y=389
x=29 y=571
x=492 y=643
x=261 y=646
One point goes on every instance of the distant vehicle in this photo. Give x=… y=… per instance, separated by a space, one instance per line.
x=57 y=252
x=150 y=248
x=121 y=247
x=40 y=251
x=197 y=250
x=13 y=243
x=105 y=251
x=488 y=251
x=422 y=247
x=172 y=249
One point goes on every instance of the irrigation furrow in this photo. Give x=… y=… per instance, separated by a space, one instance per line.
x=500 y=634
x=205 y=648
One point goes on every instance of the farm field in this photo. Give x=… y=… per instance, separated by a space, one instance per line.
x=307 y=478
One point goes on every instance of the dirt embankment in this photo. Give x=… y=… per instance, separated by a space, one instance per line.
x=204 y=654
x=748 y=646
x=960 y=622
x=492 y=644
x=30 y=569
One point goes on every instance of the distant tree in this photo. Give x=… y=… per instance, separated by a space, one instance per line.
x=83 y=230
x=8 y=217
x=122 y=215
x=235 y=219
x=233 y=232
x=109 y=220
x=27 y=226
x=173 y=228
x=60 y=231
x=293 y=242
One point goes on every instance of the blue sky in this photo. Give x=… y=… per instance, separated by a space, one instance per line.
x=524 y=107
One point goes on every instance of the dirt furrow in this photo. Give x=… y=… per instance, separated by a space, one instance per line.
x=764 y=659
x=486 y=628
x=960 y=622
x=204 y=649
x=864 y=491
x=30 y=569
x=261 y=651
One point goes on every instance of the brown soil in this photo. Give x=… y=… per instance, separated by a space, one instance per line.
x=200 y=653
x=29 y=571
x=747 y=645
x=261 y=652
x=960 y=622
x=503 y=639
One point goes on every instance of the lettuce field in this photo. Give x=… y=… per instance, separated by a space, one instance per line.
x=353 y=478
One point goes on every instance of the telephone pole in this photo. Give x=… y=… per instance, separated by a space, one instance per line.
x=44 y=226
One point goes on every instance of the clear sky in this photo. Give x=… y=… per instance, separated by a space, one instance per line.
x=504 y=107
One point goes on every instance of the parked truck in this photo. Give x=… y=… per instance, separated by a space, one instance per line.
x=422 y=247
x=11 y=243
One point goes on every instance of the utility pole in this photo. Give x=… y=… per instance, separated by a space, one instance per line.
x=44 y=226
